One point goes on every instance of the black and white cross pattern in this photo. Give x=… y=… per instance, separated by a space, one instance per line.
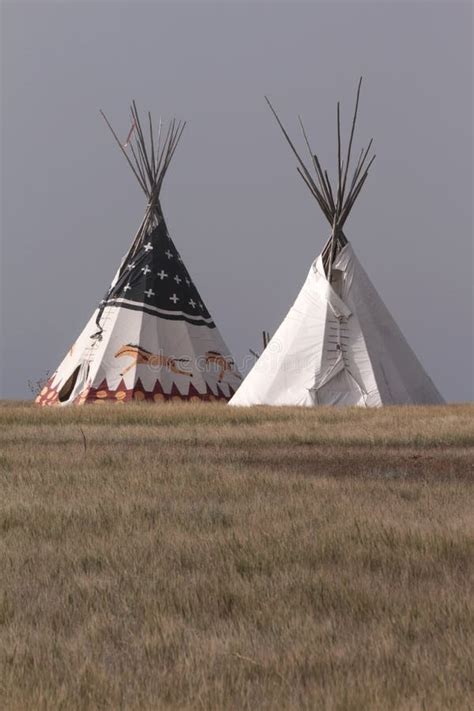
x=156 y=281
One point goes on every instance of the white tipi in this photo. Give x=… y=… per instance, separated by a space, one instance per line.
x=151 y=337
x=338 y=345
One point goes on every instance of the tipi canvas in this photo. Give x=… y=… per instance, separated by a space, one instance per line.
x=338 y=345
x=151 y=337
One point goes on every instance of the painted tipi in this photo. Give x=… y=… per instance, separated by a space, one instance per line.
x=338 y=344
x=151 y=337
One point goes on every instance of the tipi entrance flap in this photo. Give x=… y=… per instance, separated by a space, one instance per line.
x=323 y=378
x=341 y=389
x=74 y=384
x=66 y=390
x=332 y=386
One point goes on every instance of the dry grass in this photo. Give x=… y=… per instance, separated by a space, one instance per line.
x=186 y=557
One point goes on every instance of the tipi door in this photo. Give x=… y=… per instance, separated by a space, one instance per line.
x=341 y=389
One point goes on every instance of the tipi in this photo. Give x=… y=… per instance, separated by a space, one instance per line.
x=338 y=344
x=151 y=337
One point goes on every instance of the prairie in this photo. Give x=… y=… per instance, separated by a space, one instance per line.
x=203 y=557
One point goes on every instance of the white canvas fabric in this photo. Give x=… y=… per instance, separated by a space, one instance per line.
x=338 y=345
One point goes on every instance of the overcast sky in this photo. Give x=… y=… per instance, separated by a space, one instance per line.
x=236 y=208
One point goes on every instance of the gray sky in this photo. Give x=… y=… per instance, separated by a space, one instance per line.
x=237 y=210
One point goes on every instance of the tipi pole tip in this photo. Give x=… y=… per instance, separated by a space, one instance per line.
x=349 y=147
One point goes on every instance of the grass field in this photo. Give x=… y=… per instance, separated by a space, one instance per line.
x=204 y=557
